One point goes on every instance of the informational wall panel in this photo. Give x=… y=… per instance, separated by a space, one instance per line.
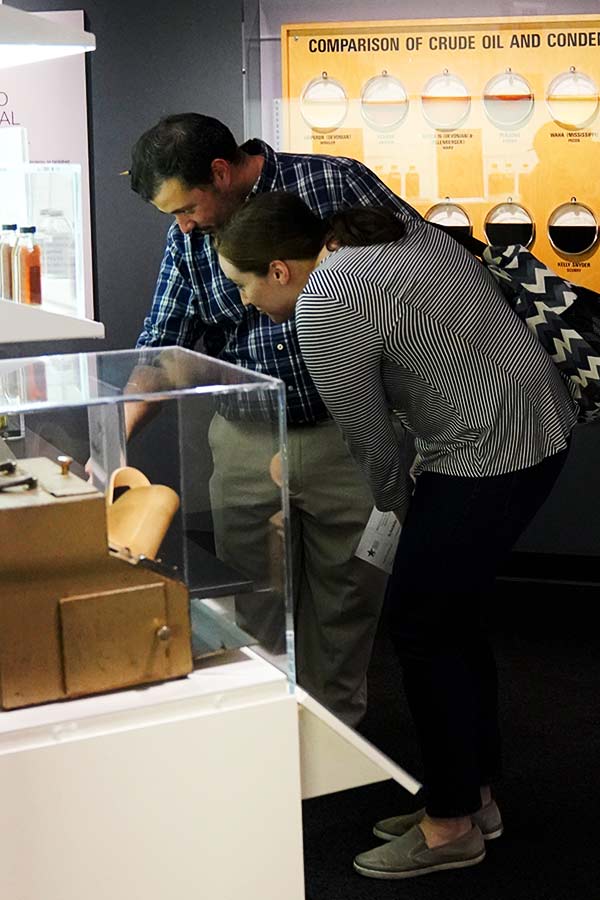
x=486 y=124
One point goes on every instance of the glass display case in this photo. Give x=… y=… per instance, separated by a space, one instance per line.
x=163 y=437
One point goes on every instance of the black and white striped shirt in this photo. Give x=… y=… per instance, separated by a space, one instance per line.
x=419 y=327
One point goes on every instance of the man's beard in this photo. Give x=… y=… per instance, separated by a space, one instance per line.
x=230 y=206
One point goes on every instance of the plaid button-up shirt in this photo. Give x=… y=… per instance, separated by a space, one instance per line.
x=192 y=294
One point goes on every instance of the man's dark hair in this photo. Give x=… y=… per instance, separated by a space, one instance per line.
x=182 y=146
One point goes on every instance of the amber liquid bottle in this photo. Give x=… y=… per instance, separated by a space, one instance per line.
x=7 y=245
x=27 y=267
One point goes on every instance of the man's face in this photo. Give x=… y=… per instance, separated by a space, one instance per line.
x=205 y=208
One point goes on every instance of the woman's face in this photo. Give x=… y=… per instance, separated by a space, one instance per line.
x=273 y=294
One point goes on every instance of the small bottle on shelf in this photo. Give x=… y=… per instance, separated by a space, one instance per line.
x=27 y=267
x=8 y=238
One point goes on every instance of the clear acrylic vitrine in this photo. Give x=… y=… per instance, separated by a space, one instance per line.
x=214 y=434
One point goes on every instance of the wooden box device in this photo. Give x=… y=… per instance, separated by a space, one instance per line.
x=75 y=620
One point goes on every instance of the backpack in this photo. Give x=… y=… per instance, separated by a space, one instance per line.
x=564 y=317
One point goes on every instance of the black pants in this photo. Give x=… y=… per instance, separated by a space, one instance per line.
x=456 y=533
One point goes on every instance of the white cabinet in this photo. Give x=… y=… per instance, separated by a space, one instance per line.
x=187 y=788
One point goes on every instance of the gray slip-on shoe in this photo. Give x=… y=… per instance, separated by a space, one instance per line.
x=488 y=820
x=409 y=855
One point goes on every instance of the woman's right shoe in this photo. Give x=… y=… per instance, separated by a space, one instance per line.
x=488 y=819
x=409 y=855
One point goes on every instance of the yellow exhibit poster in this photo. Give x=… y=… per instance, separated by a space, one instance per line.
x=491 y=125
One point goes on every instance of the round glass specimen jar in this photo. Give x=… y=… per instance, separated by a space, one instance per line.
x=572 y=228
x=450 y=216
x=508 y=99
x=324 y=103
x=384 y=102
x=572 y=99
x=445 y=101
x=509 y=223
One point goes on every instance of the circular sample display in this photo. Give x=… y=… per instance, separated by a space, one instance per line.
x=572 y=99
x=384 y=102
x=446 y=101
x=508 y=99
x=451 y=217
x=324 y=103
x=572 y=229
x=507 y=224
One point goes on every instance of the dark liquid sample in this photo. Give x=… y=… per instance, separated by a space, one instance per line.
x=573 y=239
x=458 y=230
x=503 y=234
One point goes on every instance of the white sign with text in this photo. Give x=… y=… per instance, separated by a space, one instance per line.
x=379 y=540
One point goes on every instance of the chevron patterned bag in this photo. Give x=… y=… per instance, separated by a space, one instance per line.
x=564 y=317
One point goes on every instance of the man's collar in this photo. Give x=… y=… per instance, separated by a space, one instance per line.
x=269 y=176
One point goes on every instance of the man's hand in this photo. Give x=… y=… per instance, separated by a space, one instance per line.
x=143 y=379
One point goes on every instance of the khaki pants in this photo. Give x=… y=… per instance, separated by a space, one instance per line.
x=337 y=597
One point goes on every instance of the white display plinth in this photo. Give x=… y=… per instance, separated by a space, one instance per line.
x=189 y=788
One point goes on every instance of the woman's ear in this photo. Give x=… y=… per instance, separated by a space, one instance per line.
x=279 y=271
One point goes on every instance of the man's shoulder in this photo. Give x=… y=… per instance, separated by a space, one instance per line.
x=313 y=172
x=286 y=159
x=315 y=162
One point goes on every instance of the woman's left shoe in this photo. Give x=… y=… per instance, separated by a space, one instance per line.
x=409 y=855
x=488 y=819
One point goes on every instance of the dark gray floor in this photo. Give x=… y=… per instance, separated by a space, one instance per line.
x=549 y=661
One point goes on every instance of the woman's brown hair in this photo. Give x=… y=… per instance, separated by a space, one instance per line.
x=279 y=225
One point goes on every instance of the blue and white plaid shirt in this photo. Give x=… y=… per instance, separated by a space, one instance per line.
x=192 y=294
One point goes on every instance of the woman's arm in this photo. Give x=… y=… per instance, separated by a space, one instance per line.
x=343 y=354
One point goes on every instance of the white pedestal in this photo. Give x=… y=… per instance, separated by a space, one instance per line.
x=184 y=789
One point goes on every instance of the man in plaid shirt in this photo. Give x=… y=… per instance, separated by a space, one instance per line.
x=189 y=166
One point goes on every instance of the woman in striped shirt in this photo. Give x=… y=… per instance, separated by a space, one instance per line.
x=396 y=321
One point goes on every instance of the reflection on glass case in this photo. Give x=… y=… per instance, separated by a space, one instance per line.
x=161 y=467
